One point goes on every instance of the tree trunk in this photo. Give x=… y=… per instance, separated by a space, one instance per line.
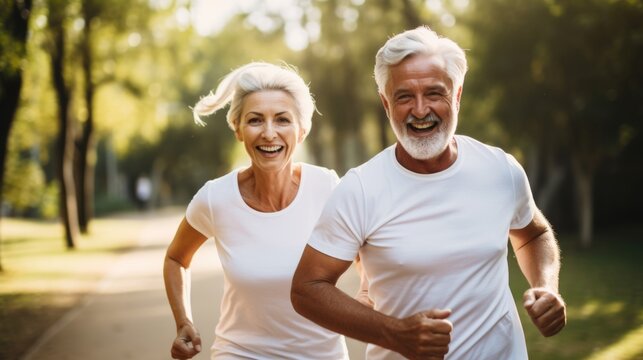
x=584 y=204
x=15 y=28
x=65 y=144
x=554 y=176
x=86 y=146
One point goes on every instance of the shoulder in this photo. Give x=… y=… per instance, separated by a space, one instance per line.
x=490 y=157
x=319 y=171
x=319 y=176
x=373 y=176
x=470 y=143
x=379 y=163
x=220 y=185
x=480 y=151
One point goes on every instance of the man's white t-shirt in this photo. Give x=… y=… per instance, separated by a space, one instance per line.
x=437 y=240
x=259 y=253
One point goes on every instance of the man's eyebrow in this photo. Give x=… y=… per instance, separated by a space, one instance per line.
x=400 y=91
x=438 y=87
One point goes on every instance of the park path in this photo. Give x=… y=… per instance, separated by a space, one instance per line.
x=128 y=316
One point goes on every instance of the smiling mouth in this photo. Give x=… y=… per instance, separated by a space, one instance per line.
x=422 y=127
x=270 y=149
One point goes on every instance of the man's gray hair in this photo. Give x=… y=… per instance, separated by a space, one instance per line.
x=253 y=77
x=421 y=40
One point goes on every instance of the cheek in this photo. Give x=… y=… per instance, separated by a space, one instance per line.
x=400 y=112
x=443 y=108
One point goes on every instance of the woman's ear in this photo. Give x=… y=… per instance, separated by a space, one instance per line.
x=302 y=135
x=238 y=135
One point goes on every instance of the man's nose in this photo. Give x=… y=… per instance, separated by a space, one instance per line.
x=420 y=108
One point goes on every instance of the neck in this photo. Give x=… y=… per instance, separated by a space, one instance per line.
x=428 y=166
x=270 y=191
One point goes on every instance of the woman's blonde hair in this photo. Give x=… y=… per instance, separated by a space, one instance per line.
x=253 y=77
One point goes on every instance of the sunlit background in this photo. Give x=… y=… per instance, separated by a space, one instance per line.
x=95 y=113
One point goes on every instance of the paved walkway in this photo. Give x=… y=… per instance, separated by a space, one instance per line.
x=128 y=317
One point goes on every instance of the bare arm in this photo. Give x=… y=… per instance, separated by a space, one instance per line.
x=538 y=256
x=315 y=296
x=176 y=274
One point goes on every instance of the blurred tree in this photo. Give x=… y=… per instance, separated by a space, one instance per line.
x=564 y=78
x=95 y=13
x=339 y=64
x=65 y=142
x=14 y=19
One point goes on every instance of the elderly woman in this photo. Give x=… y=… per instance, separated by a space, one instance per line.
x=261 y=218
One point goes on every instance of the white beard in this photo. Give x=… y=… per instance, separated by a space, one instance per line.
x=427 y=147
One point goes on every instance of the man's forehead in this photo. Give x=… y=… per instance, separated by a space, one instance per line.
x=419 y=67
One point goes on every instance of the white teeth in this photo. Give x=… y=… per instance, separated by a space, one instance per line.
x=272 y=148
x=423 y=125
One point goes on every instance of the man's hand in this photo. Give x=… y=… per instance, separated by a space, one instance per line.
x=187 y=343
x=425 y=335
x=546 y=309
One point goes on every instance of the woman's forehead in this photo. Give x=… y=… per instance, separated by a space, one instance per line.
x=269 y=101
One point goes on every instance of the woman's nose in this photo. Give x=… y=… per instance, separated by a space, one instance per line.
x=269 y=132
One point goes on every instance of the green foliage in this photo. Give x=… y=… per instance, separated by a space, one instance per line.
x=24 y=184
x=11 y=50
x=564 y=72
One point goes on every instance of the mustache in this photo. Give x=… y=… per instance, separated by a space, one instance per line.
x=430 y=117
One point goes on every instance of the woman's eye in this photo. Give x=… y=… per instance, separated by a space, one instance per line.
x=253 y=121
x=283 y=120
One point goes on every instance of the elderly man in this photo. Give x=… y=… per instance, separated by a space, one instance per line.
x=430 y=217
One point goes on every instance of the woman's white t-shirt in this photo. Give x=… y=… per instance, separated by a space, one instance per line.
x=259 y=252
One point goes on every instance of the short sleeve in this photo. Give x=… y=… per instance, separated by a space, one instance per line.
x=198 y=213
x=339 y=230
x=524 y=202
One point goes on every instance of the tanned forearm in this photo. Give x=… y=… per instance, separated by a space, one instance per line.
x=539 y=260
x=177 y=287
x=333 y=309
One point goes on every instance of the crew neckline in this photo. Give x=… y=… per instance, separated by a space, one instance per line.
x=452 y=169
x=293 y=203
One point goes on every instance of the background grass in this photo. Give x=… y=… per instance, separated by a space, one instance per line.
x=603 y=287
x=42 y=280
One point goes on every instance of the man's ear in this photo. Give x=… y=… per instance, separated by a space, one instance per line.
x=385 y=104
x=457 y=98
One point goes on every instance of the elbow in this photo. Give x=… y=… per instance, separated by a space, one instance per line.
x=298 y=296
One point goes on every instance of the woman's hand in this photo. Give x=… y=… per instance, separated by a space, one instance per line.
x=187 y=343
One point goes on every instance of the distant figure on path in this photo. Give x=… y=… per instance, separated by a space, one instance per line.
x=430 y=218
x=143 y=191
x=260 y=218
